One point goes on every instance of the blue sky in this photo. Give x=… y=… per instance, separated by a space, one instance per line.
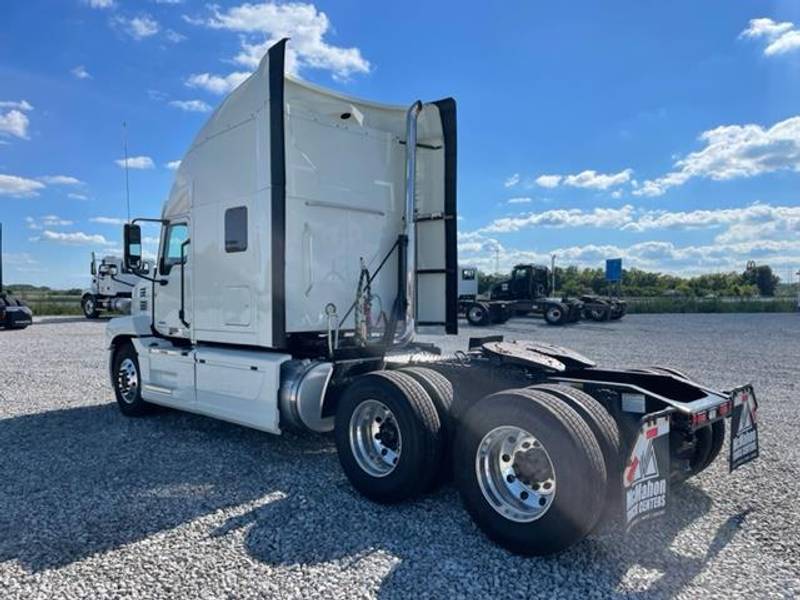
x=665 y=133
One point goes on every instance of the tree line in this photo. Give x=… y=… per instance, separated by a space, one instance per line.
x=755 y=280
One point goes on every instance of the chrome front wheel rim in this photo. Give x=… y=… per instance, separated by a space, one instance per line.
x=515 y=474
x=375 y=438
x=475 y=313
x=128 y=380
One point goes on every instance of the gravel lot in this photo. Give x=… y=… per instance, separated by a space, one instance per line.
x=93 y=504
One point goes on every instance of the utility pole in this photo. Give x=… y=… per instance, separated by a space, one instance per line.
x=553 y=275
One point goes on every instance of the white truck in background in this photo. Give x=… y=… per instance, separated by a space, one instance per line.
x=111 y=287
x=307 y=237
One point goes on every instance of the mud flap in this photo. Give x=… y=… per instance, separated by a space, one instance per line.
x=646 y=478
x=744 y=428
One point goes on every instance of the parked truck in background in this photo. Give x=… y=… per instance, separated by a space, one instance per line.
x=14 y=313
x=526 y=293
x=111 y=287
x=307 y=237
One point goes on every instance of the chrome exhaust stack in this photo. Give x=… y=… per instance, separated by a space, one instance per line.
x=407 y=264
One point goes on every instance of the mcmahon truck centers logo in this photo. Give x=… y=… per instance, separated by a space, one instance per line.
x=645 y=477
x=744 y=429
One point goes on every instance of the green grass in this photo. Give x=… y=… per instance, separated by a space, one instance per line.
x=712 y=305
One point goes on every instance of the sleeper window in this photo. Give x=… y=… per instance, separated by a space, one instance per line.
x=236 y=229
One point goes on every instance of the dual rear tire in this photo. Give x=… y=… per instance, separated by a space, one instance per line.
x=392 y=432
x=537 y=468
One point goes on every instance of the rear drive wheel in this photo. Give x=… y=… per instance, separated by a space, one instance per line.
x=128 y=382
x=606 y=431
x=555 y=314
x=440 y=390
x=89 y=305
x=388 y=436
x=478 y=315
x=530 y=471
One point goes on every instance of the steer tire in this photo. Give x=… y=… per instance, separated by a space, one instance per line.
x=420 y=432
x=89 y=306
x=577 y=463
x=129 y=397
x=555 y=314
x=440 y=390
x=606 y=431
x=478 y=315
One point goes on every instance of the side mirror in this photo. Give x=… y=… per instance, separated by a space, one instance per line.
x=93 y=268
x=132 y=247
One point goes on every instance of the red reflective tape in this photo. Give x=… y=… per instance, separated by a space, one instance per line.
x=651 y=433
x=632 y=469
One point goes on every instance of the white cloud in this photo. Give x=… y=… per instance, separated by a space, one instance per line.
x=599 y=217
x=588 y=179
x=512 y=181
x=191 y=105
x=173 y=165
x=733 y=151
x=780 y=37
x=108 y=220
x=19 y=105
x=173 y=36
x=80 y=72
x=753 y=222
x=169 y=1
x=136 y=162
x=59 y=180
x=650 y=255
x=215 y=83
x=99 y=3
x=19 y=187
x=14 y=121
x=77 y=238
x=54 y=221
x=138 y=28
x=262 y=25
x=548 y=181
x=520 y=200
x=75 y=196
x=598 y=181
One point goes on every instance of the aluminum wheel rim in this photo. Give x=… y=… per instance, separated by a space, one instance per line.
x=515 y=474
x=475 y=313
x=555 y=313
x=128 y=380
x=89 y=306
x=375 y=438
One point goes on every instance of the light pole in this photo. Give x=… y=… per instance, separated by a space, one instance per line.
x=553 y=275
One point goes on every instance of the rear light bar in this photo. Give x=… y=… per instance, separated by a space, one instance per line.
x=705 y=416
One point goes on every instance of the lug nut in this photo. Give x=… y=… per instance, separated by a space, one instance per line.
x=506 y=458
x=510 y=478
x=524 y=495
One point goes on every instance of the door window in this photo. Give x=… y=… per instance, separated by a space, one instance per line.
x=175 y=236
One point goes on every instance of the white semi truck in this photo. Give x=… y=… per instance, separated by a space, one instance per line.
x=306 y=238
x=111 y=287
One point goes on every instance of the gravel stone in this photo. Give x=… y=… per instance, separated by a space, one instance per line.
x=97 y=505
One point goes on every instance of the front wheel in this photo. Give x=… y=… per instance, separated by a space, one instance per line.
x=477 y=315
x=89 y=306
x=127 y=382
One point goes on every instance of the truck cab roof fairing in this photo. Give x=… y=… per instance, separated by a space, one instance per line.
x=253 y=148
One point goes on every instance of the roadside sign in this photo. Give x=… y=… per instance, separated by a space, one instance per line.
x=614 y=269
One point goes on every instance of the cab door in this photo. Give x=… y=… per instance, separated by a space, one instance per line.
x=172 y=298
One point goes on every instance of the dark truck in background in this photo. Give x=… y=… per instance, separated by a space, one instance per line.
x=525 y=293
